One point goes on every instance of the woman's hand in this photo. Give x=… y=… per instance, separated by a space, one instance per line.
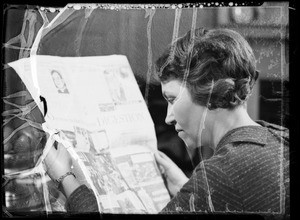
x=57 y=163
x=174 y=176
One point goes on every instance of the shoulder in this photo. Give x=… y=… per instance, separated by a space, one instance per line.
x=238 y=160
x=216 y=170
x=277 y=131
x=271 y=125
x=252 y=142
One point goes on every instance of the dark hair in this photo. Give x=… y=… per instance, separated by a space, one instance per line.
x=221 y=57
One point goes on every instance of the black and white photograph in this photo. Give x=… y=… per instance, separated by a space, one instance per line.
x=178 y=109
x=59 y=82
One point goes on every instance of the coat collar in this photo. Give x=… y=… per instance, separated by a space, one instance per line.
x=252 y=134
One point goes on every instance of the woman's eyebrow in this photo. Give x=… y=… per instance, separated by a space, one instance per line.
x=167 y=95
x=164 y=95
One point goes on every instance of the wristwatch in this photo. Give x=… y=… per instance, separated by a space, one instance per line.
x=60 y=179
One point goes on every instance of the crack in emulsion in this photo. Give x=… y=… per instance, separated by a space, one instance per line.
x=80 y=30
x=201 y=125
x=201 y=128
x=174 y=38
x=192 y=203
x=29 y=23
x=28 y=26
x=282 y=185
x=21 y=112
x=151 y=13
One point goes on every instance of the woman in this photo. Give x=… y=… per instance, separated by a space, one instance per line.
x=207 y=77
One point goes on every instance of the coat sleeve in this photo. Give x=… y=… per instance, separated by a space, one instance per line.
x=191 y=197
x=209 y=189
x=82 y=200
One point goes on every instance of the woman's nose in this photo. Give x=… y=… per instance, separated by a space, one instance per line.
x=170 y=115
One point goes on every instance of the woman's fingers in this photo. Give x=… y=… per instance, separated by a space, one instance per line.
x=161 y=154
x=165 y=157
x=58 y=161
x=160 y=162
x=174 y=176
x=50 y=158
x=164 y=161
x=160 y=159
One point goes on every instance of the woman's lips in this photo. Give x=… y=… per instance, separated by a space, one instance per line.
x=179 y=132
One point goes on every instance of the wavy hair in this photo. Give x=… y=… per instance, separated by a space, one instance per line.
x=221 y=58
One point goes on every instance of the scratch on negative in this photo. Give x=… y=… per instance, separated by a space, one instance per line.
x=192 y=203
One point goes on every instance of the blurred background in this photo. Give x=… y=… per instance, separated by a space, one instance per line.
x=142 y=34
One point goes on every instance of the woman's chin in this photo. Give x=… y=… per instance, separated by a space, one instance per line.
x=188 y=141
x=189 y=144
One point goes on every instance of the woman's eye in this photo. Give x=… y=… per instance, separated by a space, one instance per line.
x=171 y=101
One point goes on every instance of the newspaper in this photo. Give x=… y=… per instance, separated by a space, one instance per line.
x=95 y=105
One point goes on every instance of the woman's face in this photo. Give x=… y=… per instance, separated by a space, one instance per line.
x=185 y=115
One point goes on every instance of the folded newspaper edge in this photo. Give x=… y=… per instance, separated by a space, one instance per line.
x=97 y=108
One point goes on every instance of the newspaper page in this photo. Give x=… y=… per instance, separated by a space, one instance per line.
x=95 y=104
